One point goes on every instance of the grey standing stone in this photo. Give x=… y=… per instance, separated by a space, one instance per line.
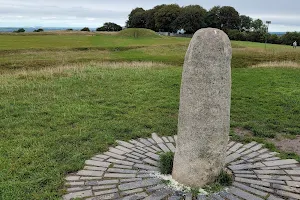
x=204 y=113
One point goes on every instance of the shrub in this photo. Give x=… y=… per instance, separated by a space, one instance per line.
x=166 y=162
x=20 y=30
x=223 y=180
x=69 y=29
x=85 y=29
x=39 y=30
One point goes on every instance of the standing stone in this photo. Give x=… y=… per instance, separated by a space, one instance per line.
x=204 y=113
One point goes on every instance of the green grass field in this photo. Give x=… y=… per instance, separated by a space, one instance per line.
x=60 y=104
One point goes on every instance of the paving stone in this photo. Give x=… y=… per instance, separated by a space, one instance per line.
x=296 y=178
x=246 y=175
x=235 y=147
x=293 y=183
x=106 y=192
x=246 y=152
x=97 y=159
x=150 y=149
x=156 y=138
x=94 y=168
x=241 y=150
x=157 y=187
x=293 y=172
x=171 y=147
x=134 y=160
x=251 y=181
x=160 y=194
x=163 y=147
x=137 y=151
x=103 y=187
x=76 y=189
x=230 y=144
x=74 y=183
x=122 y=166
x=125 y=144
x=134 y=191
x=165 y=139
x=127 y=180
x=286 y=188
x=89 y=173
x=124 y=149
x=248 y=146
x=114 y=155
x=232 y=157
x=105 y=197
x=287 y=166
x=175 y=138
x=147 y=167
x=250 y=189
x=274 y=181
x=251 y=155
x=155 y=148
x=151 y=140
x=174 y=197
x=142 y=149
x=262 y=150
x=202 y=197
x=139 y=155
x=279 y=172
x=273 y=158
x=171 y=139
x=188 y=196
x=97 y=163
x=246 y=166
x=269 y=168
x=139 y=184
x=72 y=178
x=131 y=156
x=228 y=196
x=243 y=194
x=137 y=143
x=152 y=162
x=144 y=141
x=119 y=175
x=102 y=156
x=121 y=162
x=124 y=171
x=272 y=197
x=288 y=194
x=135 y=196
x=238 y=162
x=84 y=178
x=257 y=147
x=152 y=155
x=103 y=182
x=262 y=188
x=144 y=176
x=275 y=177
x=280 y=162
x=243 y=172
x=81 y=194
x=267 y=155
x=116 y=151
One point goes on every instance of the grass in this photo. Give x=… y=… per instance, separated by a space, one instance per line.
x=166 y=162
x=64 y=100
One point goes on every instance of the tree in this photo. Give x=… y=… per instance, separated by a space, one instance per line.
x=85 y=29
x=20 y=30
x=212 y=18
x=245 y=24
x=229 y=18
x=109 y=26
x=258 y=26
x=136 y=18
x=165 y=17
x=39 y=30
x=191 y=19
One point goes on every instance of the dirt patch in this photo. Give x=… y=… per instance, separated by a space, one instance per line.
x=243 y=132
x=287 y=145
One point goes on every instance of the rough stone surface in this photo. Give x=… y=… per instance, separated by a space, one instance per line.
x=204 y=113
x=119 y=179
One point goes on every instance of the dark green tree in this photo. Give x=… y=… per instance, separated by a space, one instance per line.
x=212 y=18
x=20 y=30
x=166 y=16
x=229 y=18
x=39 y=30
x=85 y=29
x=109 y=26
x=191 y=19
x=245 y=24
x=136 y=18
x=258 y=26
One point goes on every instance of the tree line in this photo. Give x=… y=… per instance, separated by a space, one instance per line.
x=172 y=17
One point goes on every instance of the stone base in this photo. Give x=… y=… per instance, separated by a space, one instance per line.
x=124 y=172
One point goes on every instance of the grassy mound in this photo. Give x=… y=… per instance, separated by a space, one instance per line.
x=138 y=33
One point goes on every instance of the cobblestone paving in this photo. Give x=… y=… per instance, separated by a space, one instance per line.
x=124 y=172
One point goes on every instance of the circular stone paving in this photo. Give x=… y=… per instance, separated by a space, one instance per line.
x=125 y=172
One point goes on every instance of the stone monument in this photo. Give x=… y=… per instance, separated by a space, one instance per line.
x=204 y=113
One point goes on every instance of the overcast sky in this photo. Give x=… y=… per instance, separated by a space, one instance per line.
x=285 y=15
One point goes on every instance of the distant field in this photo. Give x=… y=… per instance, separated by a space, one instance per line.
x=65 y=98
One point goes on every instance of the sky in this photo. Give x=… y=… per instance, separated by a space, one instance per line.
x=285 y=15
